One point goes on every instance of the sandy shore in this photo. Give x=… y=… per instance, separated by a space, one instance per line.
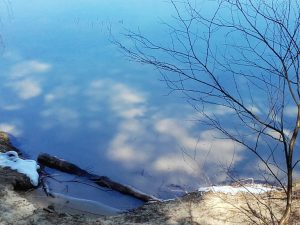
x=195 y=208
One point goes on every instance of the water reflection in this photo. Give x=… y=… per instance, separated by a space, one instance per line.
x=66 y=91
x=113 y=122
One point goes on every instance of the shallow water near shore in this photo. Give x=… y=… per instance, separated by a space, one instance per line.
x=67 y=90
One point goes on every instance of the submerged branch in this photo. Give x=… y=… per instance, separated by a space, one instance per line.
x=103 y=181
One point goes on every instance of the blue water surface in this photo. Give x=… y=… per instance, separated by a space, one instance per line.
x=67 y=90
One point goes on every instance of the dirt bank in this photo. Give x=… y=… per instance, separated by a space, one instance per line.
x=195 y=208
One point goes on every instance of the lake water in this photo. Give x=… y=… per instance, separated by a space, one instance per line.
x=68 y=91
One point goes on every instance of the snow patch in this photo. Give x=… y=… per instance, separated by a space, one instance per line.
x=28 y=167
x=254 y=189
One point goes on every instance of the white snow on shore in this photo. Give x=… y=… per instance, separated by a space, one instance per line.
x=28 y=167
x=254 y=189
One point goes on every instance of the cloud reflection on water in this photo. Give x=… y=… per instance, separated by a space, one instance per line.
x=146 y=136
x=11 y=128
x=23 y=81
x=158 y=139
x=28 y=67
x=164 y=143
x=26 y=88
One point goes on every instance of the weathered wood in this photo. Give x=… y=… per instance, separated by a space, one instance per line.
x=61 y=165
x=67 y=167
x=18 y=180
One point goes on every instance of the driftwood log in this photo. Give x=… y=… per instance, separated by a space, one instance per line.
x=18 y=180
x=103 y=181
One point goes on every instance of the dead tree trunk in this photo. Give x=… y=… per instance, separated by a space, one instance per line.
x=103 y=181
